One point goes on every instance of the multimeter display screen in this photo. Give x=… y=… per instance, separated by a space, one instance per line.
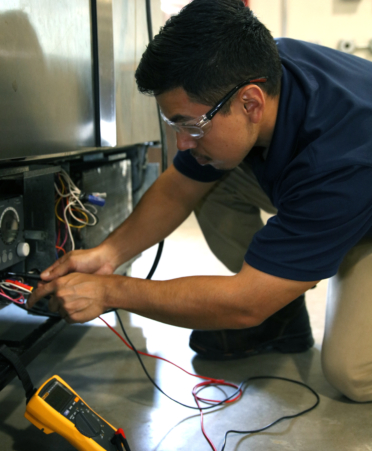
x=58 y=397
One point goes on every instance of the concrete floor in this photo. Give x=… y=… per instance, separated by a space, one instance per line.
x=109 y=378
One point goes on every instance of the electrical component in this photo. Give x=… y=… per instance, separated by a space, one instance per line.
x=13 y=247
x=15 y=291
x=20 y=285
x=93 y=199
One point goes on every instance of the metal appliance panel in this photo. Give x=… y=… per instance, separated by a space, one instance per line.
x=105 y=97
x=46 y=82
x=136 y=114
x=115 y=180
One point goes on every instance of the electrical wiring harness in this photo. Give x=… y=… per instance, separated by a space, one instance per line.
x=75 y=214
x=15 y=291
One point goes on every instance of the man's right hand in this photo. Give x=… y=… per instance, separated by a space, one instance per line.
x=90 y=261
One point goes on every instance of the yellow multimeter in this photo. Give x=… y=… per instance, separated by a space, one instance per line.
x=56 y=407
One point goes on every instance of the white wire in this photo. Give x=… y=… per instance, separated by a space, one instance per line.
x=14 y=287
x=94 y=209
x=69 y=229
x=85 y=210
x=72 y=195
x=59 y=192
x=10 y=284
x=73 y=189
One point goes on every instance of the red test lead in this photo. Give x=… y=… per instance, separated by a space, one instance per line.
x=119 y=440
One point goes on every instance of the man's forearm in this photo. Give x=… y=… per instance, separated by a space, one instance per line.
x=206 y=302
x=199 y=302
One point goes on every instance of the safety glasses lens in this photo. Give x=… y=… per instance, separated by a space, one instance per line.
x=195 y=132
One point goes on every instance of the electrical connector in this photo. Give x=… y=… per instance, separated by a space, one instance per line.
x=92 y=199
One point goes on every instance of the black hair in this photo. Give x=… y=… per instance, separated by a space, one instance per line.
x=207 y=49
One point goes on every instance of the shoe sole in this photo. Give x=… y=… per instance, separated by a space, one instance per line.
x=290 y=344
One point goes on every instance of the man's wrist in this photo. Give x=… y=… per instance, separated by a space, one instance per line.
x=114 y=292
x=110 y=254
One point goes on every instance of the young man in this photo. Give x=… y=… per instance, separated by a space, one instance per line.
x=283 y=126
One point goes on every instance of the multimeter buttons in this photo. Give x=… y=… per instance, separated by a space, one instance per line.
x=87 y=424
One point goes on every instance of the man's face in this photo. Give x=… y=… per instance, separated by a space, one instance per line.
x=228 y=141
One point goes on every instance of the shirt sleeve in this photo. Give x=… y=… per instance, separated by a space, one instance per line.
x=186 y=164
x=319 y=219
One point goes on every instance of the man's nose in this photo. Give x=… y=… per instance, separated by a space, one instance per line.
x=185 y=141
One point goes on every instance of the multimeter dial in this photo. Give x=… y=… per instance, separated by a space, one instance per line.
x=9 y=225
x=87 y=424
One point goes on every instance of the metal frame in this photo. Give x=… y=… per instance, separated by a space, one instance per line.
x=28 y=348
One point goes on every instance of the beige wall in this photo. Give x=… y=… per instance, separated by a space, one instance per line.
x=325 y=22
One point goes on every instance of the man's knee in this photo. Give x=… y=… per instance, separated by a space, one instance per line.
x=352 y=379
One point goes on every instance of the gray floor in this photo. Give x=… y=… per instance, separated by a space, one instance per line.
x=109 y=378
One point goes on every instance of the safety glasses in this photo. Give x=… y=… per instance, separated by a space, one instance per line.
x=200 y=126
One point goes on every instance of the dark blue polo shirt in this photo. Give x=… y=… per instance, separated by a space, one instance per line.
x=318 y=169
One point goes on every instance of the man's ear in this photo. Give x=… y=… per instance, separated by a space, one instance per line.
x=253 y=101
x=246 y=2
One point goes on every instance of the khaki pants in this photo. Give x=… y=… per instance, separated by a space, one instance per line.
x=229 y=216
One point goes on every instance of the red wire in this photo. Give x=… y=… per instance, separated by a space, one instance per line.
x=208 y=382
x=216 y=381
x=17 y=300
x=199 y=399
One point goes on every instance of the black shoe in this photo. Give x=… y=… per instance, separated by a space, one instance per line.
x=287 y=331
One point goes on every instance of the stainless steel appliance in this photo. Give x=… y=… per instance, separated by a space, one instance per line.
x=67 y=77
x=68 y=99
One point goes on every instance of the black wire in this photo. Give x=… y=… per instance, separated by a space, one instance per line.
x=286 y=417
x=149 y=21
x=156 y=261
x=157 y=386
x=163 y=139
x=39 y=312
x=235 y=393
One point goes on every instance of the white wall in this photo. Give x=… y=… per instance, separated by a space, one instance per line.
x=325 y=22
